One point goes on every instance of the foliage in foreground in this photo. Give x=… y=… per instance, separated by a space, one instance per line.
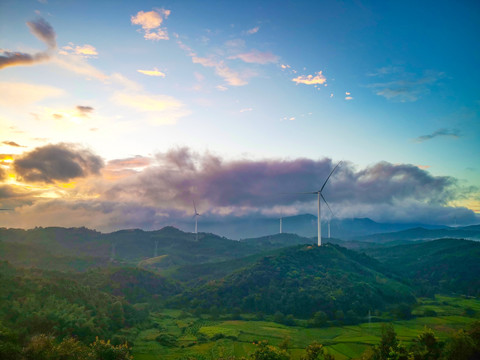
x=462 y=345
x=44 y=347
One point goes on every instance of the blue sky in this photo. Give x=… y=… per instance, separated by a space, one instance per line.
x=259 y=83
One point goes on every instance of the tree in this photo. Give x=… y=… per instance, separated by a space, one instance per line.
x=403 y=311
x=10 y=348
x=388 y=342
x=316 y=351
x=104 y=350
x=72 y=349
x=285 y=344
x=268 y=352
x=426 y=346
x=279 y=317
x=40 y=347
x=388 y=349
x=319 y=319
x=459 y=347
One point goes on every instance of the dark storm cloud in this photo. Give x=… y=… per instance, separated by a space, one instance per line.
x=84 y=110
x=44 y=32
x=386 y=183
x=182 y=175
x=57 y=162
x=14 y=192
x=441 y=132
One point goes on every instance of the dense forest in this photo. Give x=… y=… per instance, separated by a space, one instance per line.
x=77 y=291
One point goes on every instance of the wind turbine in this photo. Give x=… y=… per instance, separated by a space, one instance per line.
x=281 y=220
x=196 y=215
x=320 y=197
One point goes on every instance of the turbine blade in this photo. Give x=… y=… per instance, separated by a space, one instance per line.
x=326 y=203
x=325 y=183
x=302 y=193
x=194 y=207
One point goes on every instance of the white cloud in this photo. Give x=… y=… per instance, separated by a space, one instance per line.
x=253 y=30
x=230 y=76
x=79 y=66
x=257 y=57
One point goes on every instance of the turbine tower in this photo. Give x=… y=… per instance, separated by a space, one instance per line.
x=319 y=199
x=281 y=220
x=196 y=215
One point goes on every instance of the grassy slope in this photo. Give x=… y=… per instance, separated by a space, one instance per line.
x=345 y=342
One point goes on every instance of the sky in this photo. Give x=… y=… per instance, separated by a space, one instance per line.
x=120 y=114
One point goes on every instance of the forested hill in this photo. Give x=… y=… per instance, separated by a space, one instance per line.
x=301 y=281
x=445 y=265
x=420 y=233
x=79 y=249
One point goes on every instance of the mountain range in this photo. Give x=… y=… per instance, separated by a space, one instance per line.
x=304 y=225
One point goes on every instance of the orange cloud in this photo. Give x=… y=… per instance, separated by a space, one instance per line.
x=85 y=50
x=150 y=22
x=319 y=78
x=153 y=72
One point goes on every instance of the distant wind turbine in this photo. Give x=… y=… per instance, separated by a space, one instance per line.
x=281 y=220
x=196 y=215
x=320 y=197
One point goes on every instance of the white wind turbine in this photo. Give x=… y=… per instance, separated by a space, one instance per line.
x=281 y=220
x=196 y=215
x=320 y=196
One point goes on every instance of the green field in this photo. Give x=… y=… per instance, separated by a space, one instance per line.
x=208 y=339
